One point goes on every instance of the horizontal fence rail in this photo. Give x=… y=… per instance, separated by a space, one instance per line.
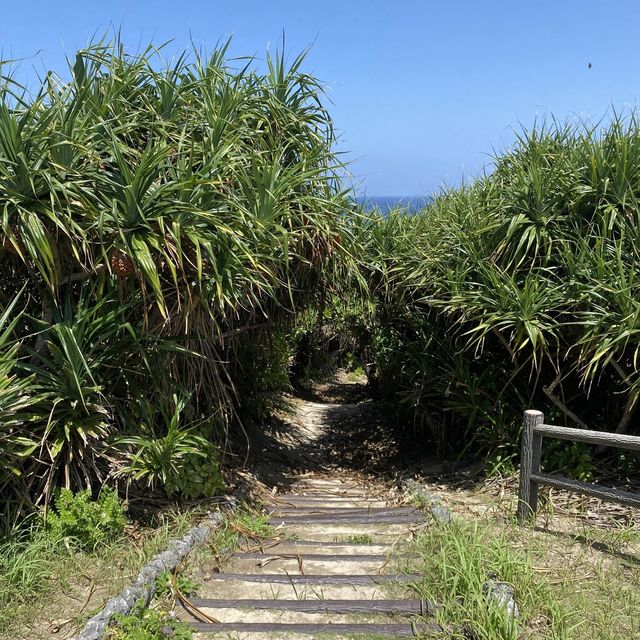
x=531 y=476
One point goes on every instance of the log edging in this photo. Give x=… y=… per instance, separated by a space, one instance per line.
x=144 y=586
x=438 y=511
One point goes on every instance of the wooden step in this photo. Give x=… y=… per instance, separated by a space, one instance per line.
x=341 y=600
x=323 y=543
x=241 y=589
x=394 y=630
x=333 y=531
x=317 y=546
x=391 y=518
x=344 y=494
x=317 y=579
x=399 y=607
x=322 y=557
x=345 y=511
x=329 y=503
x=296 y=497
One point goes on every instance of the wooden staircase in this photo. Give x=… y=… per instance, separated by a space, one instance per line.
x=318 y=578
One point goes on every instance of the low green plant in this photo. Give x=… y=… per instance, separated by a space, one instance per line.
x=357 y=373
x=148 y=624
x=627 y=461
x=182 y=461
x=246 y=524
x=500 y=464
x=185 y=585
x=616 y=538
x=85 y=523
x=254 y=524
x=359 y=538
x=571 y=459
x=200 y=477
x=459 y=561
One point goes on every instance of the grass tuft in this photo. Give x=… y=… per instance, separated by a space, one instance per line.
x=461 y=561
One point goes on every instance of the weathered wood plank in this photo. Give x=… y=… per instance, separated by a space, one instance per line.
x=605 y=438
x=322 y=543
x=414 y=607
x=336 y=557
x=394 y=629
x=329 y=504
x=605 y=493
x=280 y=578
x=344 y=510
x=529 y=464
x=296 y=497
x=355 y=519
x=319 y=557
x=307 y=493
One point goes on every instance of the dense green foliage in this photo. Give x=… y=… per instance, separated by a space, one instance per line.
x=520 y=290
x=156 y=219
x=173 y=235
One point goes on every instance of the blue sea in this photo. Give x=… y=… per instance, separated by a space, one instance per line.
x=387 y=203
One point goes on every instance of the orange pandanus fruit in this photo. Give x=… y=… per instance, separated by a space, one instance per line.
x=121 y=263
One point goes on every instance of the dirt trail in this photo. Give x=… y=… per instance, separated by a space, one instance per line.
x=332 y=563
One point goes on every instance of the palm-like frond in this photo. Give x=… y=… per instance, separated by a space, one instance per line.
x=157 y=213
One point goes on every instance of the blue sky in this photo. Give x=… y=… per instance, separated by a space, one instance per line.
x=422 y=92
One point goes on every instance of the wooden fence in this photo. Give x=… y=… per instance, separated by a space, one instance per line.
x=531 y=477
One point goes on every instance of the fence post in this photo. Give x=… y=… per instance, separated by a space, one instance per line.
x=529 y=464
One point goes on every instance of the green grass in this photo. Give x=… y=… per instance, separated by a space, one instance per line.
x=27 y=564
x=359 y=538
x=457 y=561
x=42 y=579
x=570 y=580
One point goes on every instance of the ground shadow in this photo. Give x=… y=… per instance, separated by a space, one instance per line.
x=602 y=547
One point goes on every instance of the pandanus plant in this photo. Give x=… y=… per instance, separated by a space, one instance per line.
x=520 y=289
x=182 y=204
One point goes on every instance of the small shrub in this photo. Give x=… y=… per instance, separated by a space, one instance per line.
x=572 y=459
x=172 y=456
x=200 y=476
x=149 y=624
x=356 y=374
x=186 y=585
x=183 y=462
x=84 y=522
x=500 y=464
